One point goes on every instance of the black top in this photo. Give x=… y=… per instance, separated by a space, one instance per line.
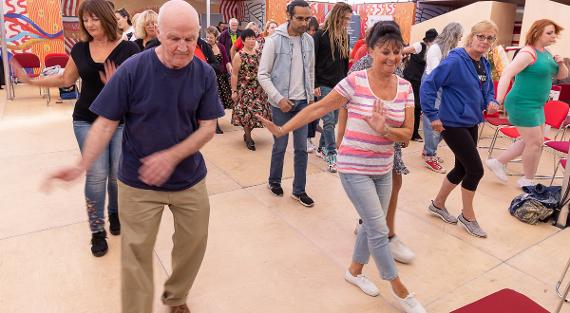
x=89 y=73
x=480 y=68
x=140 y=43
x=328 y=73
x=416 y=66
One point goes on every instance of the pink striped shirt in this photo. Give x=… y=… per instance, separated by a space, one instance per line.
x=363 y=150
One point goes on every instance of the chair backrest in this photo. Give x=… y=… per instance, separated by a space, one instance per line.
x=565 y=92
x=27 y=60
x=555 y=113
x=53 y=59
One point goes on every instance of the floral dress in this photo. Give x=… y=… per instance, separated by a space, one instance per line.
x=224 y=88
x=252 y=99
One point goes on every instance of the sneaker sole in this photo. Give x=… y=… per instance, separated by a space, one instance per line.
x=99 y=254
x=273 y=193
x=366 y=293
x=469 y=231
x=301 y=202
x=442 y=218
x=504 y=181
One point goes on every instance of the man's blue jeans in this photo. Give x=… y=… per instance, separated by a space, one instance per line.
x=328 y=140
x=101 y=176
x=431 y=137
x=280 y=145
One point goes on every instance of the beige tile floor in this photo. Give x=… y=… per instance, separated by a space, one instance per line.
x=265 y=254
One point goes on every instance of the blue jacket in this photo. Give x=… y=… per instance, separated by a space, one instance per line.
x=464 y=97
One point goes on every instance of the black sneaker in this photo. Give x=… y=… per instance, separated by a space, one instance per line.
x=99 y=244
x=114 y=224
x=276 y=189
x=304 y=199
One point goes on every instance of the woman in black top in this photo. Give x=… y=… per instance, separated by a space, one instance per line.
x=146 y=28
x=94 y=60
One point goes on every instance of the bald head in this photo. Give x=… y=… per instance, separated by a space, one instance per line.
x=177 y=11
x=178 y=30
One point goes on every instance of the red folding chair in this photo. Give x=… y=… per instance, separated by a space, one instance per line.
x=555 y=92
x=503 y=301
x=27 y=61
x=54 y=59
x=496 y=121
x=564 y=93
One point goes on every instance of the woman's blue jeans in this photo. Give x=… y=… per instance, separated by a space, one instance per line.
x=370 y=195
x=101 y=177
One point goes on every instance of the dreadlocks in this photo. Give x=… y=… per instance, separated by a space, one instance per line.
x=338 y=35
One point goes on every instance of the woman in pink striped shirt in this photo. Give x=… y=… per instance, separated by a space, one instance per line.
x=380 y=112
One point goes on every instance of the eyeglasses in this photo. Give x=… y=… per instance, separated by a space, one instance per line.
x=490 y=39
x=302 y=19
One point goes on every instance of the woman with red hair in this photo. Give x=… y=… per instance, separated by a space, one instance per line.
x=534 y=68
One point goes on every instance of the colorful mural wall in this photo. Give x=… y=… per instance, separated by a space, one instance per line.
x=33 y=26
x=402 y=13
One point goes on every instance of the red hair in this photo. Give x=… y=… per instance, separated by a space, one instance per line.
x=537 y=28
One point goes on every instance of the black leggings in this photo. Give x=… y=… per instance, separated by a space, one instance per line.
x=468 y=168
x=417 y=108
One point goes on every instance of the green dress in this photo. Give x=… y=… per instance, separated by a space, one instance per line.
x=525 y=102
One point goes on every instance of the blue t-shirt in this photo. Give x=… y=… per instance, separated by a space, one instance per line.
x=161 y=108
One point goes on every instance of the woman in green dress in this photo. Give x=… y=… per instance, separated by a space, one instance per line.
x=534 y=67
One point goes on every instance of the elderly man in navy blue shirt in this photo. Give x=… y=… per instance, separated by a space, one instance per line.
x=169 y=102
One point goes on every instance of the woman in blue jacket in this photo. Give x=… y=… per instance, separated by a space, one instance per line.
x=467 y=90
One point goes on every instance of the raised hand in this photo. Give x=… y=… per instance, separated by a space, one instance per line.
x=110 y=69
x=66 y=174
x=377 y=120
x=270 y=126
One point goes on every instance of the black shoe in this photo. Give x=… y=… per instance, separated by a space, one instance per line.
x=276 y=189
x=114 y=224
x=417 y=138
x=219 y=130
x=99 y=244
x=304 y=199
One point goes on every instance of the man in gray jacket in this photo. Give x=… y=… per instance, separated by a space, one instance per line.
x=287 y=74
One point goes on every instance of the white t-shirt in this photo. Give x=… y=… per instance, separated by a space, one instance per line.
x=433 y=58
x=417 y=46
x=296 y=83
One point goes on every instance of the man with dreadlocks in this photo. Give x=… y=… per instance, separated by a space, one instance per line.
x=331 y=66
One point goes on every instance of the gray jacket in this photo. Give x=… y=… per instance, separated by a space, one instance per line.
x=274 y=71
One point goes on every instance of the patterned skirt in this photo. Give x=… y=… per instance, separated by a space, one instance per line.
x=399 y=165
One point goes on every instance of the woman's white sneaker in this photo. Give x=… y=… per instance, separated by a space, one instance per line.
x=400 y=252
x=362 y=282
x=410 y=304
x=498 y=169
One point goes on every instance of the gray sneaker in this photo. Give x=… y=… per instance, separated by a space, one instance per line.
x=472 y=227
x=442 y=213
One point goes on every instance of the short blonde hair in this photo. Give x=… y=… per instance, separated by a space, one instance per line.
x=480 y=27
x=148 y=16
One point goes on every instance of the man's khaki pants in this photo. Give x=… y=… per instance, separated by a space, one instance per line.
x=140 y=212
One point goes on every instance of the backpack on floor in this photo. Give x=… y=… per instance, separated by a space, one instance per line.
x=537 y=203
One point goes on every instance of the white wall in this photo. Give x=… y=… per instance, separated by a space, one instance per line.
x=560 y=13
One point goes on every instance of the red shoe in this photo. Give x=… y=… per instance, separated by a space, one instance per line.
x=432 y=164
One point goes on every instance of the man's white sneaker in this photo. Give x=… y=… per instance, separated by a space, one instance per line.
x=410 y=304
x=523 y=182
x=400 y=252
x=498 y=169
x=362 y=282
x=310 y=146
